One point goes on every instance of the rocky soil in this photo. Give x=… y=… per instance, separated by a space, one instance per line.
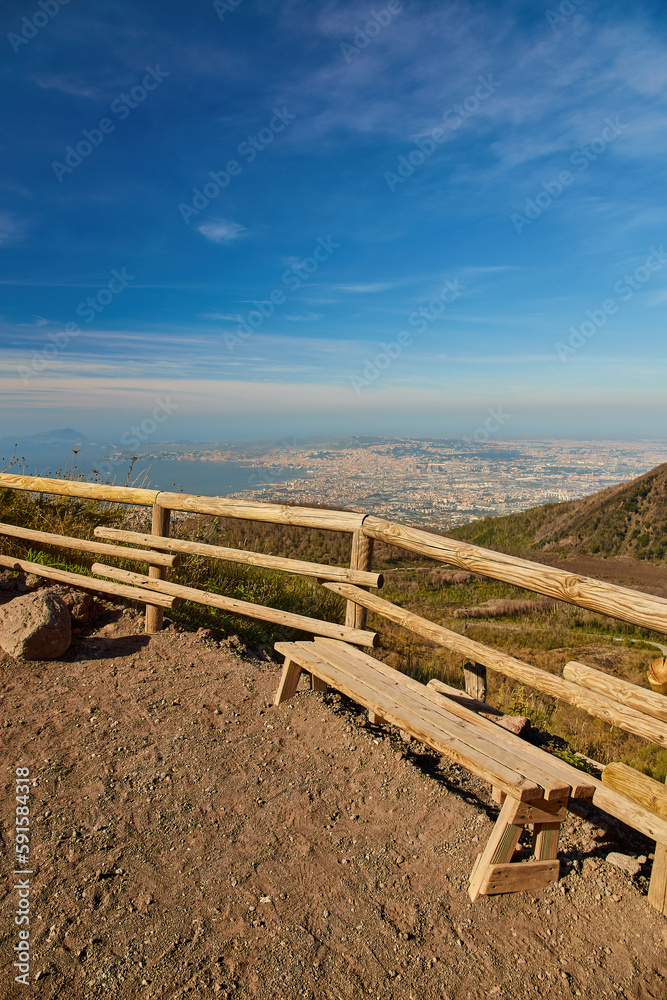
x=190 y=840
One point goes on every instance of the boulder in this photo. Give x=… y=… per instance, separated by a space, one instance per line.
x=79 y=602
x=35 y=626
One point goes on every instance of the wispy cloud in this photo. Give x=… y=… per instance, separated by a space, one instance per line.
x=221 y=231
x=227 y=317
x=70 y=84
x=12 y=229
x=376 y=286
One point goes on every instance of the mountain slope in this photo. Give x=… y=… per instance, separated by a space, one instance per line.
x=629 y=519
x=63 y=436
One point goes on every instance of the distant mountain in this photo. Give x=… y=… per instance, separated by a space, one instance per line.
x=64 y=436
x=629 y=519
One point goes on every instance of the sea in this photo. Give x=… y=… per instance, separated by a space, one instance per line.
x=188 y=476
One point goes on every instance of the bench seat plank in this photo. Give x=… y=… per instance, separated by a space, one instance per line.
x=442 y=732
x=505 y=747
x=580 y=783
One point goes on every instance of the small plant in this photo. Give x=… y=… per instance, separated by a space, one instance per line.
x=569 y=756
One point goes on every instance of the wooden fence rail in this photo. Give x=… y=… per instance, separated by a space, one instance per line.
x=305 y=517
x=296 y=566
x=86 y=545
x=609 y=599
x=83 y=582
x=288 y=618
x=588 y=701
x=75 y=488
x=634 y=709
x=595 y=595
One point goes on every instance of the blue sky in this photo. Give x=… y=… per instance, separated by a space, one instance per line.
x=333 y=217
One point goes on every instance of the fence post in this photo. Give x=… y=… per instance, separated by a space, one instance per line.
x=657 y=889
x=361 y=558
x=159 y=526
x=475 y=680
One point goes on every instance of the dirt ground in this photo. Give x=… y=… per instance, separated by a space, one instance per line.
x=633 y=573
x=188 y=840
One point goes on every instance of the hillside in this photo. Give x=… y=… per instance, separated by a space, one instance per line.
x=627 y=520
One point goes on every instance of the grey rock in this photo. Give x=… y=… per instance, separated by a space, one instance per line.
x=35 y=626
x=625 y=861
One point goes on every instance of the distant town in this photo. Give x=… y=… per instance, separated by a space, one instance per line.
x=442 y=483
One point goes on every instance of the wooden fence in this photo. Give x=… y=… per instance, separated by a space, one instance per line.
x=636 y=711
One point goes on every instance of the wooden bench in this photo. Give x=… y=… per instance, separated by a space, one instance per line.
x=533 y=787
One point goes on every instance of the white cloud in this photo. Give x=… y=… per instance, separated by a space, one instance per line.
x=377 y=286
x=229 y=317
x=221 y=231
x=264 y=398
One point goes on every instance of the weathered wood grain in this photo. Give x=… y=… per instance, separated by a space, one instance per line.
x=606 y=598
x=296 y=566
x=74 y=488
x=639 y=698
x=84 y=582
x=86 y=545
x=308 y=517
x=301 y=622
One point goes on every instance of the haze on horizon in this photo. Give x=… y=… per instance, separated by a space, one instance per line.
x=276 y=219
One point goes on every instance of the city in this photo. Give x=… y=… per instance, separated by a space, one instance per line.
x=441 y=483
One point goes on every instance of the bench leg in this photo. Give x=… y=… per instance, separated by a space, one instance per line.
x=317 y=684
x=494 y=871
x=499 y=848
x=657 y=890
x=498 y=795
x=289 y=682
x=374 y=718
x=546 y=841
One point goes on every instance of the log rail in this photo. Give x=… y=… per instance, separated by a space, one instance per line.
x=608 y=599
x=611 y=699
